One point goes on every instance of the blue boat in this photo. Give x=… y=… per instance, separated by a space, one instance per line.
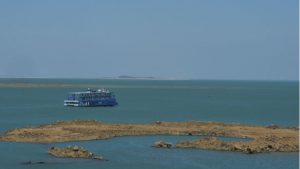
x=90 y=98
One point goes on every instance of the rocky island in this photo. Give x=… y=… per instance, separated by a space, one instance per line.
x=73 y=152
x=264 y=138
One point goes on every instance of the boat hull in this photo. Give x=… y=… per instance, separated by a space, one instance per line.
x=93 y=103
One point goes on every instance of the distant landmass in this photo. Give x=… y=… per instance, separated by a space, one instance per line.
x=134 y=77
x=140 y=78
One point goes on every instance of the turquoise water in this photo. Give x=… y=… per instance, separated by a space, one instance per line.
x=142 y=101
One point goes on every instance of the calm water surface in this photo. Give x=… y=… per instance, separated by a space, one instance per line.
x=144 y=101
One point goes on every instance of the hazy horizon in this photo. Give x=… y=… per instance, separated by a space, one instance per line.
x=202 y=40
x=142 y=78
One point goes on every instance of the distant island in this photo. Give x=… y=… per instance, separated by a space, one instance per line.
x=135 y=77
x=128 y=77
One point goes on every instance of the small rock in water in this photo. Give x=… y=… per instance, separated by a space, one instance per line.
x=33 y=162
x=97 y=157
x=162 y=144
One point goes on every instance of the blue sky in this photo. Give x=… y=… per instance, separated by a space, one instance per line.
x=199 y=39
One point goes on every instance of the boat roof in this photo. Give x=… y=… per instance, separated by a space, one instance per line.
x=92 y=91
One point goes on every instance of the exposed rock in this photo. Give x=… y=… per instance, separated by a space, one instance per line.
x=162 y=144
x=158 y=122
x=73 y=152
x=33 y=162
x=273 y=126
x=75 y=148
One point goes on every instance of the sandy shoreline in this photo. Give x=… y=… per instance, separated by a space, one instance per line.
x=265 y=139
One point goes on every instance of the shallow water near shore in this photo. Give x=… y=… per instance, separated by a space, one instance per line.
x=145 y=101
x=136 y=152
